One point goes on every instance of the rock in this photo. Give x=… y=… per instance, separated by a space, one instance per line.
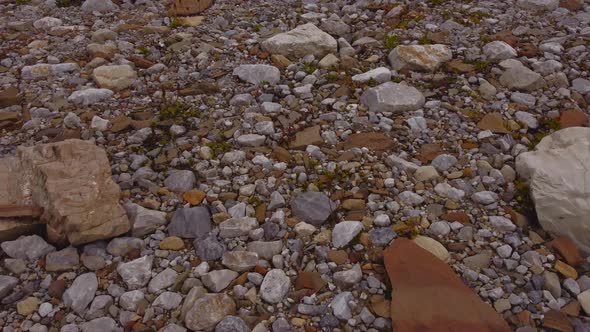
x=392 y=97
x=7 y=284
x=584 y=299
x=99 y=306
x=426 y=173
x=27 y=306
x=209 y=310
x=344 y=232
x=340 y=306
x=99 y=123
x=144 y=221
x=553 y=186
x=136 y=273
x=114 y=77
x=189 y=7
x=312 y=207
x=552 y=284
x=9 y=97
x=348 y=278
x=71 y=181
x=240 y=261
x=180 y=180
x=521 y=78
x=497 y=51
x=433 y=246
x=257 y=74
x=573 y=118
x=27 y=247
x=232 y=324
x=162 y=280
x=173 y=328
x=121 y=246
x=445 y=305
x=567 y=249
x=81 y=292
x=329 y=61
x=494 y=123
x=301 y=41
x=218 y=280
x=172 y=243
x=251 y=140
x=100 y=6
x=307 y=136
x=266 y=250
x=581 y=85
x=131 y=300
x=90 y=96
x=275 y=286
x=190 y=223
x=209 y=248
x=443 y=162
x=538 y=5
x=167 y=301
x=103 y=324
x=63 y=260
x=419 y=57
x=379 y=75
x=372 y=141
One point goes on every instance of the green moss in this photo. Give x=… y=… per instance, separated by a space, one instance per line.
x=68 y=3
x=391 y=41
x=144 y=51
x=256 y=28
x=175 y=22
x=481 y=65
x=309 y=67
x=424 y=40
x=178 y=112
x=219 y=147
x=485 y=38
x=22 y=2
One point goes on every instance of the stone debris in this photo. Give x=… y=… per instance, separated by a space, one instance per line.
x=199 y=165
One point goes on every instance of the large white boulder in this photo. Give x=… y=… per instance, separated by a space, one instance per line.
x=301 y=41
x=558 y=172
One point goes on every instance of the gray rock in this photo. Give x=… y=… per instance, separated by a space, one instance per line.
x=162 y=280
x=236 y=227
x=99 y=307
x=411 y=198
x=100 y=6
x=240 y=261
x=209 y=248
x=7 y=284
x=144 y=221
x=276 y=201
x=218 y=280
x=137 y=273
x=498 y=50
x=232 y=324
x=348 y=278
x=190 y=223
x=257 y=74
x=344 y=232
x=301 y=41
x=538 y=5
x=335 y=26
x=167 y=301
x=122 y=245
x=130 y=300
x=63 y=260
x=552 y=283
x=340 y=306
x=16 y=266
x=90 y=96
x=485 y=197
x=173 y=328
x=180 y=180
x=81 y=292
x=275 y=286
x=281 y=325
x=581 y=85
x=392 y=97
x=521 y=78
x=251 y=140
x=103 y=324
x=381 y=236
x=379 y=75
x=502 y=224
x=27 y=247
x=313 y=207
x=193 y=295
x=419 y=57
x=439 y=228
x=443 y=162
x=479 y=261
x=264 y=249
x=208 y=311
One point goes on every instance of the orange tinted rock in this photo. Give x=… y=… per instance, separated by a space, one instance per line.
x=558 y=321
x=567 y=249
x=194 y=197
x=459 y=216
x=429 y=296
x=572 y=118
x=310 y=280
x=189 y=7
x=371 y=141
x=338 y=256
x=571 y=5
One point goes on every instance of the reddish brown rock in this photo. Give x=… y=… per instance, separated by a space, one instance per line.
x=310 y=280
x=459 y=216
x=371 y=141
x=571 y=5
x=189 y=7
x=527 y=50
x=572 y=118
x=57 y=288
x=430 y=297
x=567 y=249
x=9 y=97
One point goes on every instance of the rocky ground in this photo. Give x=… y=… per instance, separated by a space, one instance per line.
x=269 y=151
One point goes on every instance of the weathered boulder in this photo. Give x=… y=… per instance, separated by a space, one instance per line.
x=429 y=296
x=115 y=77
x=71 y=181
x=209 y=310
x=301 y=41
x=419 y=57
x=555 y=172
x=392 y=97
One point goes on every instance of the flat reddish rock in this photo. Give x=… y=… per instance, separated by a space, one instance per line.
x=371 y=141
x=568 y=249
x=429 y=296
x=572 y=118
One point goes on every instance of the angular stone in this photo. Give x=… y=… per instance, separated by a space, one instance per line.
x=102 y=324
x=232 y=324
x=144 y=221
x=275 y=286
x=9 y=97
x=209 y=310
x=348 y=278
x=312 y=207
x=307 y=136
x=100 y=6
x=209 y=248
x=522 y=78
x=373 y=141
x=167 y=301
x=27 y=247
x=567 y=249
x=379 y=75
x=81 y=292
x=433 y=246
x=257 y=74
x=344 y=232
x=392 y=97
x=301 y=41
x=553 y=172
x=131 y=300
x=218 y=280
x=429 y=296
x=266 y=250
x=162 y=280
x=121 y=246
x=114 y=77
x=90 y=96
x=190 y=223
x=419 y=57
x=494 y=123
x=497 y=51
x=63 y=260
x=240 y=261
x=137 y=273
x=180 y=180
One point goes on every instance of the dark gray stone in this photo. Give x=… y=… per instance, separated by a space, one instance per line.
x=313 y=207
x=209 y=248
x=190 y=223
x=232 y=324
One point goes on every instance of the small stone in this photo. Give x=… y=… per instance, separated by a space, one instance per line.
x=81 y=292
x=257 y=74
x=103 y=324
x=313 y=207
x=27 y=306
x=180 y=180
x=240 y=261
x=168 y=301
x=392 y=97
x=63 y=260
x=208 y=311
x=162 y=280
x=433 y=246
x=136 y=273
x=190 y=223
x=218 y=280
x=114 y=77
x=232 y=324
x=348 y=278
x=172 y=243
x=27 y=247
x=344 y=232
x=497 y=51
x=419 y=57
x=275 y=286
